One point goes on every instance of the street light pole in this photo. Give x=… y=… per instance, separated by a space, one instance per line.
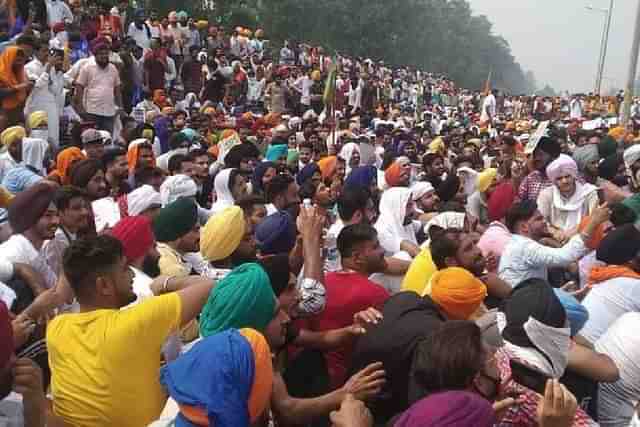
x=605 y=44
x=633 y=65
x=601 y=59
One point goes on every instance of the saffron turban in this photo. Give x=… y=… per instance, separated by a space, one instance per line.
x=457 y=292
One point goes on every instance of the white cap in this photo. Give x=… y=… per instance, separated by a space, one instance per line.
x=141 y=199
x=177 y=187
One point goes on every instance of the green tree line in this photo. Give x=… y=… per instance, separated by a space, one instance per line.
x=440 y=36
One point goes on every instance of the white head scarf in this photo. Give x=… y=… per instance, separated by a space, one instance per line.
x=141 y=199
x=33 y=152
x=222 y=187
x=393 y=206
x=176 y=187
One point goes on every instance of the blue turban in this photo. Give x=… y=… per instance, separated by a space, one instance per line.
x=258 y=174
x=361 y=177
x=189 y=133
x=576 y=312
x=20 y=178
x=306 y=173
x=276 y=234
x=274 y=152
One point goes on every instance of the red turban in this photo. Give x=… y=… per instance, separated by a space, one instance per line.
x=136 y=235
x=500 y=201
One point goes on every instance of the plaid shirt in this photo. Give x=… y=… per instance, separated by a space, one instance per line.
x=532 y=185
x=524 y=414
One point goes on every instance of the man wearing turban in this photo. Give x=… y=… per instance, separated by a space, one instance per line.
x=34 y=219
x=227 y=239
x=546 y=151
x=567 y=201
x=177 y=231
x=11 y=141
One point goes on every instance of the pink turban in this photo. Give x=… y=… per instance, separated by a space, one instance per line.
x=563 y=165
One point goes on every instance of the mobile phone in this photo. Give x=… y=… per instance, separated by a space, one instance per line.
x=601 y=199
x=528 y=377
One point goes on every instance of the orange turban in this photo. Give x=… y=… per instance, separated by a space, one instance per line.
x=327 y=166
x=66 y=158
x=597 y=235
x=617 y=132
x=133 y=152
x=457 y=292
x=392 y=174
x=263 y=380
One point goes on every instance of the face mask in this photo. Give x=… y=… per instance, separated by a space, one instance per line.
x=40 y=134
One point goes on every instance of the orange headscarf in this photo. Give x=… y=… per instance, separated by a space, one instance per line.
x=133 y=152
x=66 y=158
x=392 y=174
x=457 y=292
x=328 y=166
x=10 y=78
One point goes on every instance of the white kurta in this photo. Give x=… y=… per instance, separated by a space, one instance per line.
x=47 y=95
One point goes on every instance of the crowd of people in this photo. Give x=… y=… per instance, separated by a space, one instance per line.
x=201 y=227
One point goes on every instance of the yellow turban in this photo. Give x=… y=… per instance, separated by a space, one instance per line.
x=202 y=25
x=437 y=146
x=148 y=134
x=457 y=292
x=315 y=76
x=37 y=119
x=486 y=178
x=617 y=132
x=11 y=135
x=419 y=273
x=222 y=234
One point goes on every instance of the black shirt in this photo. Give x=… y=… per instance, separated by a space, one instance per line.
x=408 y=319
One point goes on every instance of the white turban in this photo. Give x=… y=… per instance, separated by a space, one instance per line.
x=141 y=199
x=420 y=188
x=631 y=155
x=177 y=187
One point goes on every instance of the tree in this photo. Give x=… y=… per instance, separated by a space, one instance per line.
x=440 y=36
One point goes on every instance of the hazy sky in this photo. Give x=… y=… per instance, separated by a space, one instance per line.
x=559 y=40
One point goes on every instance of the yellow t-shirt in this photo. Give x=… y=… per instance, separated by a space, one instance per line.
x=419 y=273
x=105 y=364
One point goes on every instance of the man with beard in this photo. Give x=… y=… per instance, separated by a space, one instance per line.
x=91 y=353
x=89 y=176
x=545 y=152
x=457 y=249
x=201 y=161
x=34 y=219
x=139 y=245
x=282 y=195
x=524 y=258
x=396 y=229
x=177 y=231
x=106 y=210
x=98 y=97
x=350 y=291
x=426 y=200
x=227 y=240
x=73 y=210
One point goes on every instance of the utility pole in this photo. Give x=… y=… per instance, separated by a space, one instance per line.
x=633 y=65
x=604 y=46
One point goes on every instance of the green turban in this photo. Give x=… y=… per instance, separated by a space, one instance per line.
x=243 y=299
x=175 y=220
